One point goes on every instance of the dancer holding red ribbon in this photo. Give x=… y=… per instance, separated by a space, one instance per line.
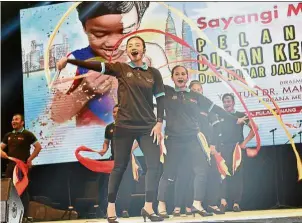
x=183 y=109
x=184 y=182
x=138 y=83
x=17 y=144
x=229 y=137
x=213 y=177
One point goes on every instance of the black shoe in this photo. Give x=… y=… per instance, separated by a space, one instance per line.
x=236 y=209
x=152 y=217
x=27 y=220
x=202 y=213
x=125 y=214
x=223 y=208
x=188 y=213
x=100 y=214
x=112 y=219
x=215 y=210
x=176 y=213
x=163 y=214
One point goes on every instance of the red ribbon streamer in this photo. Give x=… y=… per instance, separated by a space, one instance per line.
x=20 y=184
x=237 y=158
x=221 y=166
x=93 y=165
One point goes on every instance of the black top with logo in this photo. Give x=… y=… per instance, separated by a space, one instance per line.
x=183 y=111
x=225 y=130
x=18 y=144
x=137 y=86
x=109 y=136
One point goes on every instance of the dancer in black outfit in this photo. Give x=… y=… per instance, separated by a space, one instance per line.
x=213 y=178
x=183 y=109
x=137 y=84
x=226 y=136
x=184 y=189
x=128 y=181
x=185 y=177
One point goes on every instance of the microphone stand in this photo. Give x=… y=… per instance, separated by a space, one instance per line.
x=293 y=136
x=70 y=207
x=299 y=133
x=278 y=204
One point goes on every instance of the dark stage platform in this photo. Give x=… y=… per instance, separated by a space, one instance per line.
x=267 y=216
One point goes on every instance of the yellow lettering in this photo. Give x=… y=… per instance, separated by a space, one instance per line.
x=289 y=32
x=279 y=54
x=202 y=67
x=281 y=69
x=266 y=36
x=200 y=43
x=222 y=42
x=202 y=78
x=242 y=57
x=211 y=79
x=293 y=51
x=261 y=71
x=253 y=72
x=256 y=55
x=242 y=40
x=216 y=59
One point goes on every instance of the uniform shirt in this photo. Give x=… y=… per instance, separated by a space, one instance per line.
x=137 y=86
x=109 y=135
x=227 y=131
x=18 y=143
x=183 y=111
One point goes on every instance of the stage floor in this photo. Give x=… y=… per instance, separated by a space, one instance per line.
x=281 y=215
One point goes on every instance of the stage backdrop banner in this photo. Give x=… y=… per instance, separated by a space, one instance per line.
x=265 y=38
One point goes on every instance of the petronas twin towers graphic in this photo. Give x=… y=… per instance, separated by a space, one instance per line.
x=174 y=50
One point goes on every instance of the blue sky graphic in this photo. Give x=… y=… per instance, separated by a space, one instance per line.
x=40 y=22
